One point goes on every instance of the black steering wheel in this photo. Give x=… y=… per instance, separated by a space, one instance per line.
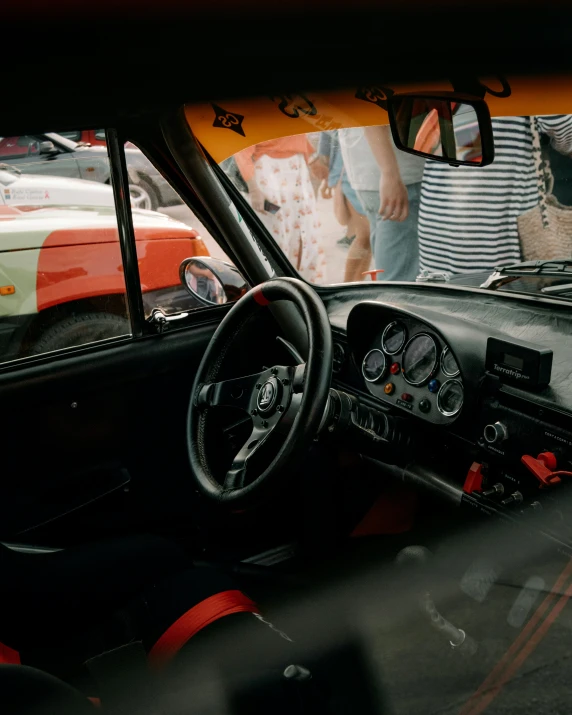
x=290 y=399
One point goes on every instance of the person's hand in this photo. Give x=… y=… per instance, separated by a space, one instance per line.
x=393 y=198
x=257 y=199
x=325 y=190
x=319 y=169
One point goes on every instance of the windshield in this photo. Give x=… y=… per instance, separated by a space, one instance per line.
x=62 y=141
x=345 y=205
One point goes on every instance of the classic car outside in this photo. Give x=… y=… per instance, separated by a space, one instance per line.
x=53 y=154
x=19 y=190
x=62 y=279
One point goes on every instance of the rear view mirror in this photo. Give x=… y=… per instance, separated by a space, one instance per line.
x=212 y=281
x=444 y=126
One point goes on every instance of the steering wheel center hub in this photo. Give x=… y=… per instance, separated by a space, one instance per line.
x=268 y=396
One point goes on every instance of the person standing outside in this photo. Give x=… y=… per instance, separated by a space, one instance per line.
x=388 y=184
x=468 y=218
x=280 y=191
x=329 y=167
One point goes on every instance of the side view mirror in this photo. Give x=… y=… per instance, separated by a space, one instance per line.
x=444 y=126
x=48 y=148
x=212 y=281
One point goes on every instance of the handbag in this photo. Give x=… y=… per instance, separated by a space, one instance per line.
x=545 y=231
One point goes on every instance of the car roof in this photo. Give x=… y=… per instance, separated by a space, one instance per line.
x=139 y=59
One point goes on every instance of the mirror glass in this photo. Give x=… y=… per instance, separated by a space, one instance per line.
x=47 y=148
x=203 y=283
x=441 y=128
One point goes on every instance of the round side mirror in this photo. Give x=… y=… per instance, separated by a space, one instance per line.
x=212 y=281
x=48 y=148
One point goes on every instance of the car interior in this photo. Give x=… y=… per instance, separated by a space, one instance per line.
x=376 y=472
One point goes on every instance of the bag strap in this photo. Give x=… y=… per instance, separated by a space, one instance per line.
x=544 y=176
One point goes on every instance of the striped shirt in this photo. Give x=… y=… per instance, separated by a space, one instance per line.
x=468 y=215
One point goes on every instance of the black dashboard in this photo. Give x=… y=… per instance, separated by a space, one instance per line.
x=419 y=355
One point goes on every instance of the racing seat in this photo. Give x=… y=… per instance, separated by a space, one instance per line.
x=27 y=691
x=192 y=625
x=64 y=609
x=84 y=600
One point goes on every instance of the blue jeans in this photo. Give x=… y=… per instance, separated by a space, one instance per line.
x=394 y=245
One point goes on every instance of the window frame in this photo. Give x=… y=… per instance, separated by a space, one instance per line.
x=153 y=145
x=151 y=142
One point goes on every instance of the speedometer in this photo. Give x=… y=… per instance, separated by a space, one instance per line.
x=450 y=398
x=420 y=359
x=373 y=366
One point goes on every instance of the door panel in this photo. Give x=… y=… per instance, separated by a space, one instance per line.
x=110 y=422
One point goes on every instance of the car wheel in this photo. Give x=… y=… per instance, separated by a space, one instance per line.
x=80 y=330
x=143 y=196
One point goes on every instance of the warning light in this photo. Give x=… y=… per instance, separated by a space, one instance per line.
x=7 y=290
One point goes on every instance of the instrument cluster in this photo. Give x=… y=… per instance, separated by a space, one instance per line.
x=410 y=367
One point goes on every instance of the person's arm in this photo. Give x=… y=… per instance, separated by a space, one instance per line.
x=245 y=165
x=559 y=129
x=393 y=198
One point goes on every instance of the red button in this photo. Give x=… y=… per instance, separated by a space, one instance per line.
x=394 y=369
x=406 y=397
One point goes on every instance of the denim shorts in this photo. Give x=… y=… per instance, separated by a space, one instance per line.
x=337 y=170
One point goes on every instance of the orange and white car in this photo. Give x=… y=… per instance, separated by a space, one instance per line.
x=61 y=275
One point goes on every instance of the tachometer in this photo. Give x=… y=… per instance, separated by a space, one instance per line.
x=420 y=359
x=374 y=366
x=450 y=398
x=449 y=365
x=394 y=337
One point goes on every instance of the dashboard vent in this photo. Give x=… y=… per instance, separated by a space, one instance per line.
x=339 y=357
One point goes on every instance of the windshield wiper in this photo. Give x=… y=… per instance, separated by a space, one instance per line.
x=9 y=167
x=558 y=268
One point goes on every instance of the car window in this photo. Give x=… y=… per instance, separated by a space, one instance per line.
x=61 y=275
x=73 y=136
x=177 y=236
x=21 y=146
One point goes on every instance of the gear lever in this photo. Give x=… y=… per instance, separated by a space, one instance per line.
x=416 y=556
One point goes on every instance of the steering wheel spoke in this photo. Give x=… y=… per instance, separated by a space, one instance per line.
x=299 y=378
x=237 y=392
x=236 y=476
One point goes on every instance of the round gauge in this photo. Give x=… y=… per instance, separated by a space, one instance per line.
x=393 y=338
x=449 y=365
x=419 y=359
x=374 y=365
x=450 y=398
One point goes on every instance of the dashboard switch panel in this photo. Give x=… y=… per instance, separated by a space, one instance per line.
x=495 y=433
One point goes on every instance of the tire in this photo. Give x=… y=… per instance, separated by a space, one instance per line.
x=143 y=196
x=81 y=329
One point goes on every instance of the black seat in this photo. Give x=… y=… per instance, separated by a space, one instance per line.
x=49 y=598
x=27 y=691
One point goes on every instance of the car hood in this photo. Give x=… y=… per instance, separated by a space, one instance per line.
x=21 y=230
x=57 y=182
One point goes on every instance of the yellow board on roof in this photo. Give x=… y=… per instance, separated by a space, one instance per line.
x=224 y=127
